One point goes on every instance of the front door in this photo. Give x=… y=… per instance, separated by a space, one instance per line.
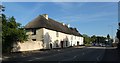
x=77 y=43
x=50 y=46
x=61 y=44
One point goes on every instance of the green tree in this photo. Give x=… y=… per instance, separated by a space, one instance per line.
x=93 y=38
x=118 y=36
x=108 y=36
x=12 y=32
x=87 y=39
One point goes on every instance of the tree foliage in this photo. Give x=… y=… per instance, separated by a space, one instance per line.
x=93 y=39
x=87 y=39
x=108 y=36
x=118 y=36
x=12 y=32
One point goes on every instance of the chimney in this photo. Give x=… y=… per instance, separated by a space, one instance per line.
x=63 y=23
x=68 y=25
x=45 y=16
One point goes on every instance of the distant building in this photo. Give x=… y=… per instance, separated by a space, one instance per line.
x=50 y=34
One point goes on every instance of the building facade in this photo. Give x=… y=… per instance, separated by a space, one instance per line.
x=51 y=34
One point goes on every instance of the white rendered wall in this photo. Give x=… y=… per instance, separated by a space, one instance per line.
x=50 y=37
x=43 y=39
x=27 y=46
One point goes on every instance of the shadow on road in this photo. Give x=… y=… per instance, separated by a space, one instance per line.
x=111 y=54
x=71 y=55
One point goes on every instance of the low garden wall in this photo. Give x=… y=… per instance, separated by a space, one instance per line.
x=27 y=46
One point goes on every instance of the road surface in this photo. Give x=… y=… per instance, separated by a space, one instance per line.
x=80 y=54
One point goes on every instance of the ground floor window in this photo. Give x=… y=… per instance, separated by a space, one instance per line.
x=66 y=43
x=34 y=39
x=56 y=43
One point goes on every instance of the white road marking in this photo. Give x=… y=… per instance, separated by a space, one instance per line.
x=83 y=53
x=97 y=58
x=34 y=59
x=74 y=56
x=69 y=58
x=100 y=56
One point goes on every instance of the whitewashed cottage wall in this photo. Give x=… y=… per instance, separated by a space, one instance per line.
x=44 y=37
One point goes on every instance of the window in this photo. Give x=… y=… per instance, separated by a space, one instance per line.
x=72 y=38
x=34 y=31
x=57 y=35
x=34 y=39
x=56 y=42
x=27 y=30
x=66 y=43
x=71 y=43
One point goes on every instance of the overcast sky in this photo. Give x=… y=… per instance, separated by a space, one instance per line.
x=91 y=18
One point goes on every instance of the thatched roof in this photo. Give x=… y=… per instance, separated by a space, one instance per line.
x=42 y=22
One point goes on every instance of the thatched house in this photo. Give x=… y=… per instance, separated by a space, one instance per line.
x=49 y=33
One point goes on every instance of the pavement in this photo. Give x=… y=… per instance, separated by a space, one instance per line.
x=80 y=54
x=41 y=53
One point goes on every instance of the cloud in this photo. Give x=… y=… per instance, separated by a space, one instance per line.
x=87 y=18
x=73 y=12
x=68 y=6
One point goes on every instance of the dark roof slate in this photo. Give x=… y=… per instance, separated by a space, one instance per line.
x=42 y=22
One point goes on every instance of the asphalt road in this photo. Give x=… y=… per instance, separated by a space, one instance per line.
x=81 y=54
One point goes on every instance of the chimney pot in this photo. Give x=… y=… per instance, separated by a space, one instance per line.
x=45 y=15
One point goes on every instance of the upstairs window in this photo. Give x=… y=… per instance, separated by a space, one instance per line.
x=57 y=34
x=34 y=31
x=27 y=30
x=72 y=38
